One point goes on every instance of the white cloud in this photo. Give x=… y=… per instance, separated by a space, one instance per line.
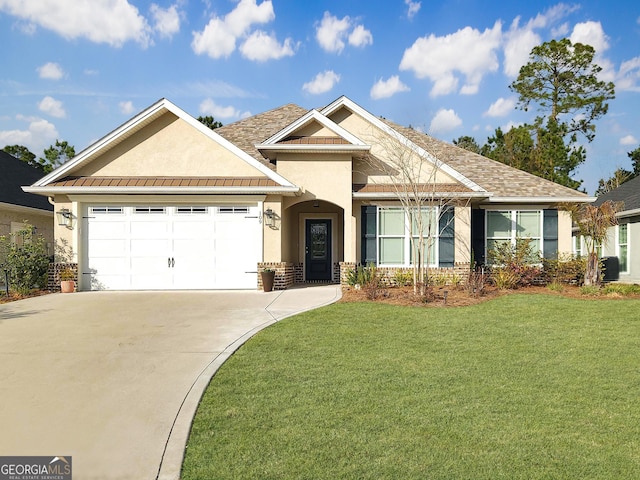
x=218 y=39
x=467 y=51
x=323 y=82
x=560 y=31
x=388 y=88
x=209 y=107
x=39 y=135
x=127 y=107
x=628 y=77
x=629 y=140
x=331 y=34
x=51 y=71
x=260 y=47
x=53 y=107
x=360 y=37
x=518 y=43
x=590 y=33
x=501 y=107
x=113 y=22
x=444 y=121
x=414 y=7
x=166 y=21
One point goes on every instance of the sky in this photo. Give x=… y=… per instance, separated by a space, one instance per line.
x=75 y=70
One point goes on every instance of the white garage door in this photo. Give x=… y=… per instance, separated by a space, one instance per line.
x=171 y=247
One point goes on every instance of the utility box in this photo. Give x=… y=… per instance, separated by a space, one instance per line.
x=611 y=267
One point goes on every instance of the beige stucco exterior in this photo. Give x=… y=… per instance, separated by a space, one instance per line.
x=168 y=147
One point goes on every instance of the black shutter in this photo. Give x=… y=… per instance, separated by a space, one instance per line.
x=550 y=233
x=477 y=236
x=368 y=247
x=447 y=237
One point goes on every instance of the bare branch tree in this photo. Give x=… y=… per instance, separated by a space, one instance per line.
x=413 y=176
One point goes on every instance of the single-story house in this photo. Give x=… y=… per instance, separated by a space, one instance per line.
x=17 y=206
x=623 y=240
x=163 y=202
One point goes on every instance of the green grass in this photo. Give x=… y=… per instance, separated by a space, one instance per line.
x=521 y=387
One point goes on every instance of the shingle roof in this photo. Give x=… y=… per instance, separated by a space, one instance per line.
x=246 y=133
x=495 y=177
x=628 y=192
x=16 y=174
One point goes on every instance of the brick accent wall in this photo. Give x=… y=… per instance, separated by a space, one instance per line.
x=53 y=275
x=285 y=274
x=459 y=272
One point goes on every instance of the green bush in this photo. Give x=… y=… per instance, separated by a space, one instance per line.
x=623 y=289
x=590 y=290
x=515 y=266
x=564 y=269
x=403 y=278
x=24 y=255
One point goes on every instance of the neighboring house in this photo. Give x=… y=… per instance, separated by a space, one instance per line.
x=623 y=240
x=18 y=207
x=163 y=202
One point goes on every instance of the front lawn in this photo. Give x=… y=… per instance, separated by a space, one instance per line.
x=520 y=387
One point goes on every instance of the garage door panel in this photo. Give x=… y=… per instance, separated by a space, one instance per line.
x=149 y=229
x=108 y=248
x=174 y=248
x=106 y=230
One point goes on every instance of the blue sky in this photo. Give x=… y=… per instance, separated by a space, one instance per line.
x=75 y=70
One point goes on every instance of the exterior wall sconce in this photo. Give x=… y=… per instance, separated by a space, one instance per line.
x=269 y=218
x=65 y=218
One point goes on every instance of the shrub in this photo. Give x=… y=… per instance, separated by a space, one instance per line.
x=564 y=269
x=621 y=289
x=505 y=278
x=515 y=266
x=403 y=278
x=24 y=255
x=555 y=286
x=475 y=284
x=438 y=279
x=361 y=275
x=590 y=290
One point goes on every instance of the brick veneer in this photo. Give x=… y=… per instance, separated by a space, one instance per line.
x=285 y=275
x=460 y=270
x=53 y=274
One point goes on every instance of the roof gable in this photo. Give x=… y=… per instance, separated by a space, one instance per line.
x=158 y=112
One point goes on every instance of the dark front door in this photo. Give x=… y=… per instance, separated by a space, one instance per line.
x=317 y=263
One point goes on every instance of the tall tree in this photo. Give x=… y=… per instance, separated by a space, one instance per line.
x=514 y=148
x=210 y=122
x=23 y=153
x=621 y=175
x=56 y=155
x=562 y=80
x=468 y=143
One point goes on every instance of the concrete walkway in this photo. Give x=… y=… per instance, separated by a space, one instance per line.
x=113 y=379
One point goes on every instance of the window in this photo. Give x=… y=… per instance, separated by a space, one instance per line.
x=106 y=210
x=240 y=210
x=151 y=210
x=191 y=210
x=394 y=241
x=578 y=246
x=623 y=246
x=507 y=226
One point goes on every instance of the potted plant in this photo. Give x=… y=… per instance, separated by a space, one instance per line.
x=67 y=281
x=268 y=275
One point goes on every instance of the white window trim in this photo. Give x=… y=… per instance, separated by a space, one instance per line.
x=408 y=233
x=626 y=270
x=514 y=233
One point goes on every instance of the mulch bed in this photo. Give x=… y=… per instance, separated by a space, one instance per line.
x=13 y=296
x=459 y=297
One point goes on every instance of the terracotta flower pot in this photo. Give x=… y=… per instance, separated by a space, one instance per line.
x=67 y=286
x=267 y=280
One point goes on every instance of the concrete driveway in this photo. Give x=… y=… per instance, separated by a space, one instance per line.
x=113 y=379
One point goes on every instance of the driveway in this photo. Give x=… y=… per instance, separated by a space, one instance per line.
x=113 y=379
